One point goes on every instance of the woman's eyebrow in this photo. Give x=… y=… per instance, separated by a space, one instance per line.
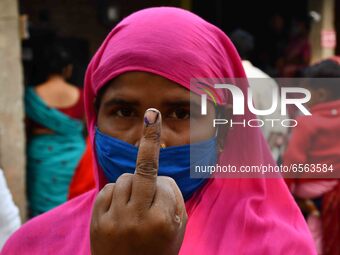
x=120 y=101
x=186 y=103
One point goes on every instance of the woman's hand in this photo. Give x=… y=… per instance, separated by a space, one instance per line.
x=141 y=213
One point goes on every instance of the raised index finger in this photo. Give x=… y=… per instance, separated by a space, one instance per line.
x=144 y=181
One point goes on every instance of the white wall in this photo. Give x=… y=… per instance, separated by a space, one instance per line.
x=12 y=138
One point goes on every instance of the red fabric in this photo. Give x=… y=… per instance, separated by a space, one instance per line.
x=75 y=111
x=316 y=138
x=83 y=179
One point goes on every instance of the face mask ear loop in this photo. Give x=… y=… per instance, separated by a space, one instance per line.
x=218 y=115
x=216 y=133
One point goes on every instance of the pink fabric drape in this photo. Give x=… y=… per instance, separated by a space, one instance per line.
x=227 y=216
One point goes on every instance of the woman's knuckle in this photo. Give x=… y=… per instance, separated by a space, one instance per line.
x=146 y=166
x=152 y=135
x=124 y=177
x=161 y=224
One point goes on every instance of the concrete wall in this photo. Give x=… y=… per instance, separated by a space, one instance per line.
x=12 y=139
x=337 y=26
x=326 y=8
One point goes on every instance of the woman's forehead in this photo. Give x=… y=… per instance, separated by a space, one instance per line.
x=144 y=84
x=146 y=88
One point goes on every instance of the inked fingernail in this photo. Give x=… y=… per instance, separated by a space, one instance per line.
x=151 y=116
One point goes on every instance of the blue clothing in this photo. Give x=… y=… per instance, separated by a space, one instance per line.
x=116 y=157
x=51 y=158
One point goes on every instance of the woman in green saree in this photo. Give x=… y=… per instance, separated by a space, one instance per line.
x=55 y=142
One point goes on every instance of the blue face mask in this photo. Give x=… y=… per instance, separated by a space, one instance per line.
x=117 y=157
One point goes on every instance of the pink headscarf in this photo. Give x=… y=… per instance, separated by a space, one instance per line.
x=227 y=216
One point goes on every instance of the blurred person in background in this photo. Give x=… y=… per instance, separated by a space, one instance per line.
x=297 y=53
x=316 y=140
x=262 y=87
x=55 y=113
x=9 y=213
x=272 y=44
x=145 y=201
x=275 y=42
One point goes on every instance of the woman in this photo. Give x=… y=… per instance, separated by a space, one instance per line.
x=147 y=61
x=297 y=54
x=315 y=141
x=55 y=110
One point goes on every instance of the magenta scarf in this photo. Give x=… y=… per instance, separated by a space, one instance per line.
x=227 y=216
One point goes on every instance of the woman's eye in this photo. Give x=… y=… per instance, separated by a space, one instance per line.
x=181 y=114
x=124 y=112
